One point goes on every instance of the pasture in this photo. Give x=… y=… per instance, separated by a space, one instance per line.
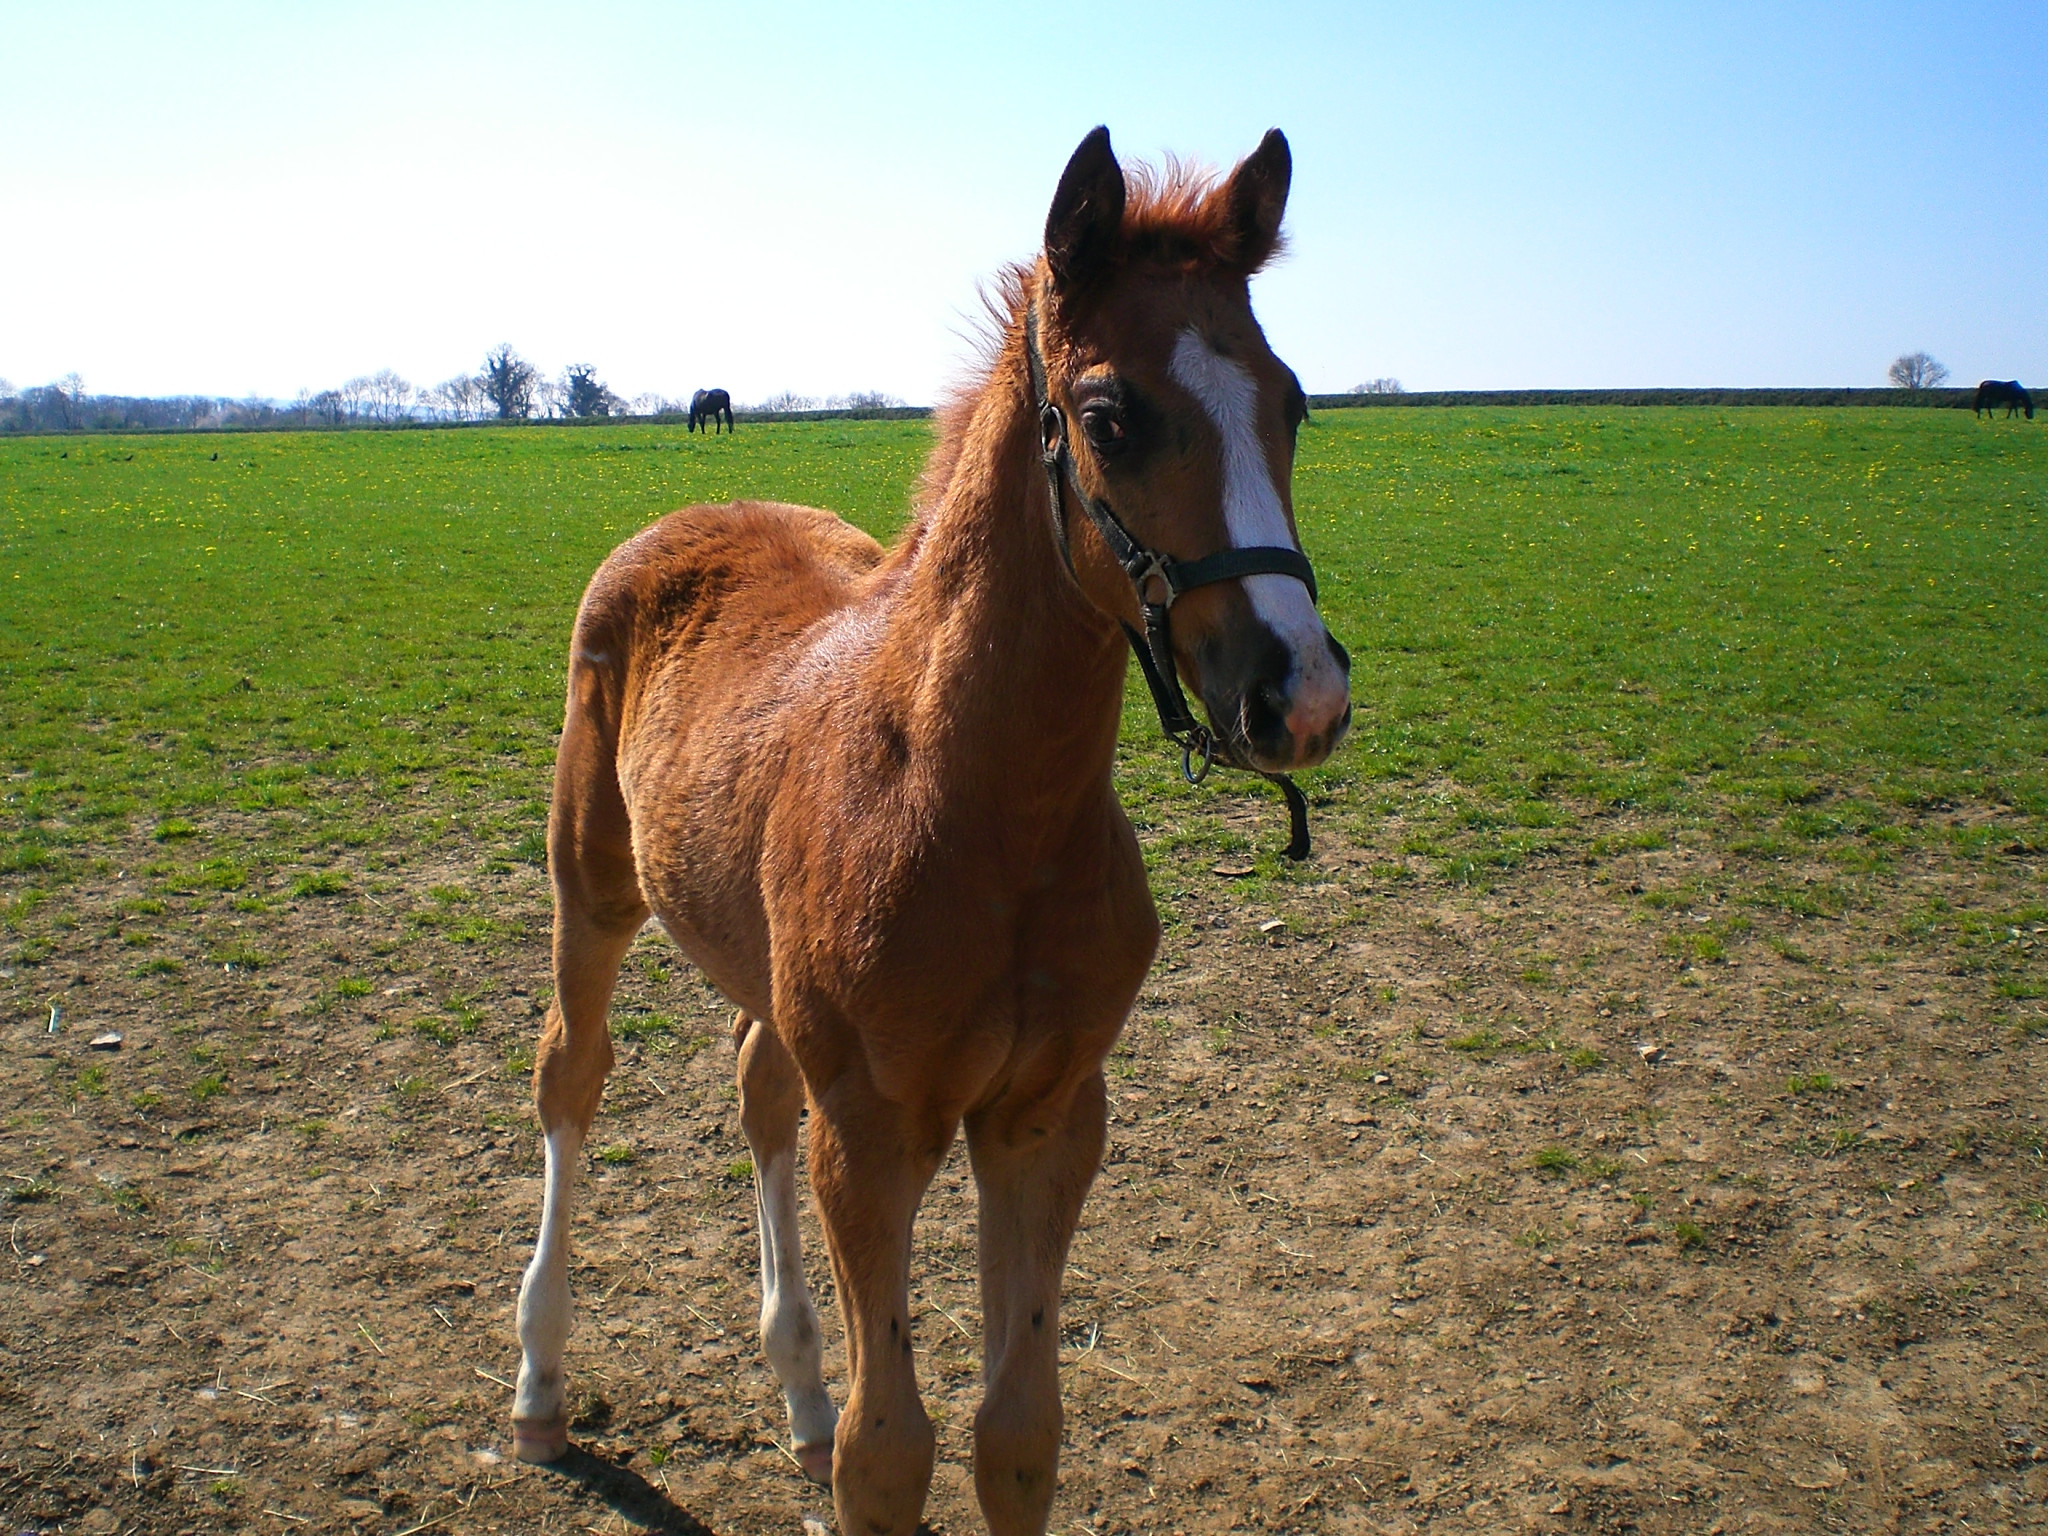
x=1630 y=1119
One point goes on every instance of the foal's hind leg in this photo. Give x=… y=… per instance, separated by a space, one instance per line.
x=598 y=910
x=771 y=1094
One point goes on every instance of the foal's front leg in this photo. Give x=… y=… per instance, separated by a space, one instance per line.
x=1033 y=1164
x=771 y=1094
x=871 y=1161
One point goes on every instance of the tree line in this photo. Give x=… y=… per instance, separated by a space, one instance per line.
x=509 y=388
x=506 y=388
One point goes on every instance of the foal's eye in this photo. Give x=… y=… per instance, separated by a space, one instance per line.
x=1105 y=432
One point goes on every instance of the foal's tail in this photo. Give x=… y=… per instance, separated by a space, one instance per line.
x=598 y=905
x=590 y=836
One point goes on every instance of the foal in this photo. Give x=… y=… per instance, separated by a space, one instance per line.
x=868 y=792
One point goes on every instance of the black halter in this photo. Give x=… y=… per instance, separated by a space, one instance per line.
x=1159 y=579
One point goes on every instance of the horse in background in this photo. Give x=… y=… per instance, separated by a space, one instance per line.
x=707 y=406
x=1993 y=393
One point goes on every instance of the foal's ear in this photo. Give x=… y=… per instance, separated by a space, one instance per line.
x=1087 y=212
x=1255 y=197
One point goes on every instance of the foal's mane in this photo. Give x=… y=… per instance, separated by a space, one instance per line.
x=1174 y=215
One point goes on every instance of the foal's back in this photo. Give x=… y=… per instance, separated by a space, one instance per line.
x=685 y=660
x=713 y=587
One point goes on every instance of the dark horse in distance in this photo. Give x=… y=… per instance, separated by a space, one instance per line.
x=1993 y=393
x=707 y=406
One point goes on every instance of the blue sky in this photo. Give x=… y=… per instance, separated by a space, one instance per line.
x=242 y=199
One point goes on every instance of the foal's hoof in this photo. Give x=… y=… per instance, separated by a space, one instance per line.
x=816 y=1460
x=547 y=1441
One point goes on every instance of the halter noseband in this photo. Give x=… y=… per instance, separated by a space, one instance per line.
x=1159 y=579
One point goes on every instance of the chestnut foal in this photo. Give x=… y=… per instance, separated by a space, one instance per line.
x=868 y=792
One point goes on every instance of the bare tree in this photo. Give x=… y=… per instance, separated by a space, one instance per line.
x=458 y=399
x=508 y=382
x=389 y=396
x=1916 y=370
x=355 y=396
x=61 y=404
x=1379 y=387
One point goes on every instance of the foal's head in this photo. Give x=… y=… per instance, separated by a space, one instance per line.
x=1183 y=421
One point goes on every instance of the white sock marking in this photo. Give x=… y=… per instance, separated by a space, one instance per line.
x=544 y=1293
x=789 y=1323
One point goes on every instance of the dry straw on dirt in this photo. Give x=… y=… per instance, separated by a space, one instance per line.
x=1604 y=1199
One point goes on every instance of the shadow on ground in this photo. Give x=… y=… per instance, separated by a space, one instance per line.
x=628 y=1494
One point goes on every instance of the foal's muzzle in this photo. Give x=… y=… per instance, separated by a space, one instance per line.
x=1279 y=710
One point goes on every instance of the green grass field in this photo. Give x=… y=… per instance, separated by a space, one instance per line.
x=1650 y=1052
x=358 y=637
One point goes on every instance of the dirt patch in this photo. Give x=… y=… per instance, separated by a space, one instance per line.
x=1648 y=1189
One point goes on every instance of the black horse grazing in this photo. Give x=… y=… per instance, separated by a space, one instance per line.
x=708 y=405
x=1993 y=393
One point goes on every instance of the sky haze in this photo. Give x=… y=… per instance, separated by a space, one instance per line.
x=264 y=198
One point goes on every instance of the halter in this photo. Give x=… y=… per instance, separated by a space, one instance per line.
x=1159 y=579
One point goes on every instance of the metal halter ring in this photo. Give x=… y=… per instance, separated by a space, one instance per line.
x=1206 y=744
x=1052 y=430
x=1145 y=571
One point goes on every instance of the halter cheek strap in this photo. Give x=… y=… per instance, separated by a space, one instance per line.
x=1159 y=579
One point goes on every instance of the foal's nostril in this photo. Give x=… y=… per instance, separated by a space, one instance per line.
x=1265 y=712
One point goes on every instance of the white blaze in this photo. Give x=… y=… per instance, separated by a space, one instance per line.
x=1251 y=505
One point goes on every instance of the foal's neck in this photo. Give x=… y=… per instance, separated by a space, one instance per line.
x=1028 y=672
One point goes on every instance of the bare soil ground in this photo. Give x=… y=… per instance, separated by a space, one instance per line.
x=1615 y=1196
